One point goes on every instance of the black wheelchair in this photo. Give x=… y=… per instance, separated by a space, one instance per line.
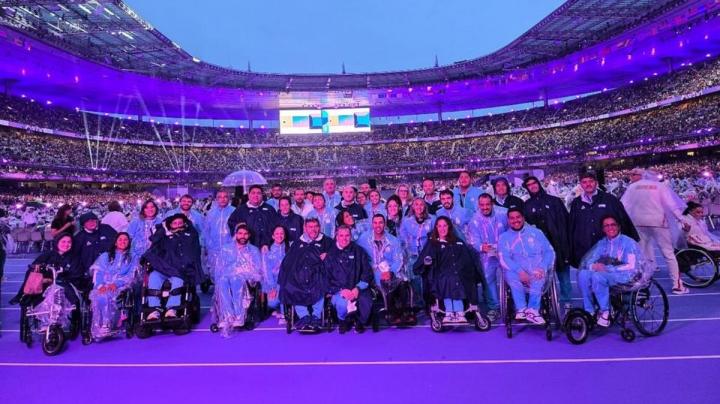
x=51 y=315
x=698 y=266
x=326 y=322
x=549 y=304
x=255 y=303
x=642 y=302
x=188 y=311
x=393 y=303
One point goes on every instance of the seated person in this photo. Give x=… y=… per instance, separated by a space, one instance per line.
x=386 y=260
x=302 y=278
x=449 y=269
x=698 y=234
x=271 y=259
x=241 y=264
x=357 y=227
x=60 y=258
x=113 y=272
x=615 y=259
x=349 y=276
x=175 y=256
x=525 y=255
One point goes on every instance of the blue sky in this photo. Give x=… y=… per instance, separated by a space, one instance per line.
x=318 y=36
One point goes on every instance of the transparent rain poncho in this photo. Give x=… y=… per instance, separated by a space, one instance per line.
x=621 y=255
x=232 y=297
x=110 y=279
x=216 y=234
x=55 y=308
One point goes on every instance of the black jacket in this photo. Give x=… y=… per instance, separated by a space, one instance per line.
x=511 y=201
x=585 y=227
x=259 y=219
x=357 y=211
x=88 y=246
x=176 y=254
x=548 y=213
x=302 y=278
x=293 y=224
x=345 y=268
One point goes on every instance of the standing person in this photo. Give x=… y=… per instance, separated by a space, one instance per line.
x=258 y=215
x=484 y=231
x=526 y=256
x=301 y=206
x=325 y=216
x=142 y=227
x=185 y=206
x=302 y=279
x=465 y=194
x=347 y=268
x=459 y=216
x=332 y=197
x=501 y=189
x=293 y=223
x=403 y=192
x=29 y=218
x=375 y=205
x=216 y=233
x=272 y=259
x=586 y=211
x=115 y=217
x=63 y=221
x=92 y=240
x=348 y=203
x=430 y=195
x=394 y=216
x=276 y=192
x=548 y=213
x=647 y=202
x=413 y=234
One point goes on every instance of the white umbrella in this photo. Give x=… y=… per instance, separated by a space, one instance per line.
x=244 y=178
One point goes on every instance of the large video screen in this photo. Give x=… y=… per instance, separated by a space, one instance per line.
x=309 y=121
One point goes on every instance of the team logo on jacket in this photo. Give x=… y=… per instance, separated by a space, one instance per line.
x=352 y=257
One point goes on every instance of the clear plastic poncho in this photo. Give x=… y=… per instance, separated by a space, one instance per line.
x=110 y=279
x=620 y=254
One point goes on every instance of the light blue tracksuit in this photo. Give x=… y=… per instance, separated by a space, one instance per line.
x=487 y=230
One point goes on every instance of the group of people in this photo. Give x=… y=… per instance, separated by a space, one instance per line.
x=447 y=248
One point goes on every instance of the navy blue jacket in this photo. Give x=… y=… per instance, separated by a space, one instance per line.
x=88 y=246
x=293 y=224
x=357 y=211
x=259 y=219
x=548 y=213
x=347 y=268
x=453 y=273
x=302 y=278
x=177 y=254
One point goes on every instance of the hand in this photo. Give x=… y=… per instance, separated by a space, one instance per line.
x=685 y=226
x=101 y=289
x=272 y=294
x=111 y=287
x=524 y=277
x=322 y=256
x=598 y=267
x=355 y=293
x=538 y=273
x=486 y=247
x=264 y=249
x=346 y=294
x=385 y=276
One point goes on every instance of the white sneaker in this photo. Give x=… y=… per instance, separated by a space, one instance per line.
x=459 y=317
x=154 y=316
x=682 y=290
x=238 y=323
x=603 y=319
x=449 y=317
x=520 y=314
x=171 y=313
x=534 y=317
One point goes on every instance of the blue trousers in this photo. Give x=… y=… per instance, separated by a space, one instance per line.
x=317 y=309
x=490 y=289
x=563 y=275
x=231 y=294
x=518 y=290
x=453 y=305
x=155 y=281
x=599 y=283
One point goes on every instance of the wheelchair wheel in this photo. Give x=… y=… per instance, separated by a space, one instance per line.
x=628 y=335
x=143 y=331
x=205 y=286
x=435 y=323
x=554 y=302
x=214 y=328
x=195 y=309
x=53 y=341
x=697 y=268
x=576 y=327
x=87 y=339
x=482 y=322
x=502 y=296
x=650 y=309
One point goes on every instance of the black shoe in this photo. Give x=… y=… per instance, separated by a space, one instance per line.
x=359 y=327
x=302 y=323
x=343 y=327
x=15 y=300
x=315 y=323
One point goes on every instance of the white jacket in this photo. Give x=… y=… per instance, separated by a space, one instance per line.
x=116 y=220
x=648 y=201
x=700 y=236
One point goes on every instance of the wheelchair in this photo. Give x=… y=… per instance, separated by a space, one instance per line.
x=188 y=310
x=549 y=304
x=698 y=267
x=125 y=304
x=255 y=305
x=472 y=316
x=386 y=308
x=52 y=316
x=328 y=319
x=642 y=302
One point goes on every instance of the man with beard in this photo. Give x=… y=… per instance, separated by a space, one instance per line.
x=185 y=207
x=302 y=279
x=276 y=192
x=259 y=217
x=92 y=240
x=301 y=206
x=430 y=195
x=216 y=232
x=465 y=194
x=459 y=216
x=349 y=276
x=332 y=196
x=548 y=213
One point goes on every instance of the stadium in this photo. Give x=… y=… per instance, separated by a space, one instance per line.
x=604 y=114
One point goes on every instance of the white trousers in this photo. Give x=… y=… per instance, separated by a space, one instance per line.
x=661 y=236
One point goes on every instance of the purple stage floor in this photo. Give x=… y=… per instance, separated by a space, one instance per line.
x=410 y=365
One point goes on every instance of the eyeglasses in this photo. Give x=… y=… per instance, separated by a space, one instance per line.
x=605 y=226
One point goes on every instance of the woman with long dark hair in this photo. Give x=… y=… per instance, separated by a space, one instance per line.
x=63 y=221
x=142 y=227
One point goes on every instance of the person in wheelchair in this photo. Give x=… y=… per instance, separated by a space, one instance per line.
x=526 y=256
x=173 y=256
x=698 y=234
x=38 y=276
x=386 y=259
x=302 y=278
x=615 y=259
x=114 y=272
x=271 y=260
x=449 y=269
x=241 y=267
x=349 y=275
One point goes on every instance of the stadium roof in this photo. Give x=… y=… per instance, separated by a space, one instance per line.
x=100 y=55
x=111 y=33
